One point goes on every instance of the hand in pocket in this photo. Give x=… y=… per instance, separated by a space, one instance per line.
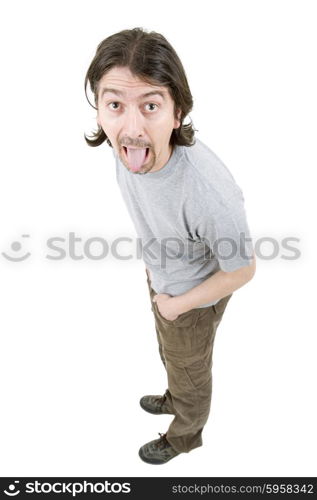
x=166 y=306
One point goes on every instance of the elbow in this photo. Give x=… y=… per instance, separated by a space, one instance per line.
x=243 y=274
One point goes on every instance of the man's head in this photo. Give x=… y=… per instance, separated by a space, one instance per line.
x=142 y=97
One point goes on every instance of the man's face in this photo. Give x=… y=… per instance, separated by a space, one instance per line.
x=138 y=118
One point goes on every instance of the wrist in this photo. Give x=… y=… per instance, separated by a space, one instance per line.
x=181 y=304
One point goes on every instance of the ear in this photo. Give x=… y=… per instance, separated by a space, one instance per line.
x=177 y=120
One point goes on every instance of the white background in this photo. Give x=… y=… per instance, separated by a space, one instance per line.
x=78 y=346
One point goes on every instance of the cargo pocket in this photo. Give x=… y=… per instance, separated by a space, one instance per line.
x=197 y=374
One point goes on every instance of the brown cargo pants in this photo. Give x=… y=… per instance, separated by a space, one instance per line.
x=185 y=347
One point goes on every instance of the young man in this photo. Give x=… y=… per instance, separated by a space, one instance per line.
x=188 y=212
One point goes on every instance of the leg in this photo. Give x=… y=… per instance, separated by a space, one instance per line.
x=152 y=293
x=168 y=400
x=187 y=345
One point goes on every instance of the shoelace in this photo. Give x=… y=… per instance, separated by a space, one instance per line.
x=163 y=401
x=162 y=442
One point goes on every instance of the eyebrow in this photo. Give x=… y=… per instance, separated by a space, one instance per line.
x=120 y=94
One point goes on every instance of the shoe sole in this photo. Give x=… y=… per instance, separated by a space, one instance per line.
x=154 y=412
x=151 y=461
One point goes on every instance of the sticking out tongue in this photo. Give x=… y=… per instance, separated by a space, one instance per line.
x=136 y=157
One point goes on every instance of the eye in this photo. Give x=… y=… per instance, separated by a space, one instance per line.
x=151 y=106
x=113 y=105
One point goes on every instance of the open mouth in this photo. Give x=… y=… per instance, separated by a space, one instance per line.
x=136 y=157
x=147 y=150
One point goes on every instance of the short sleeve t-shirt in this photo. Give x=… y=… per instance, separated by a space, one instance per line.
x=189 y=218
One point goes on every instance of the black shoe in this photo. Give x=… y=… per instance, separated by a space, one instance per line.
x=157 y=452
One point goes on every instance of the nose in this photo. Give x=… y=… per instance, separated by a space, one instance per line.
x=133 y=123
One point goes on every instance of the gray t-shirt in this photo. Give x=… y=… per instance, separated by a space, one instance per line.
x=189 y=217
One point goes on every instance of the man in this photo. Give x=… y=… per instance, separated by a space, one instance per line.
x=188 y=212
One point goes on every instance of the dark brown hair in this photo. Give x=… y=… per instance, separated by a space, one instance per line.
x=150 y=57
